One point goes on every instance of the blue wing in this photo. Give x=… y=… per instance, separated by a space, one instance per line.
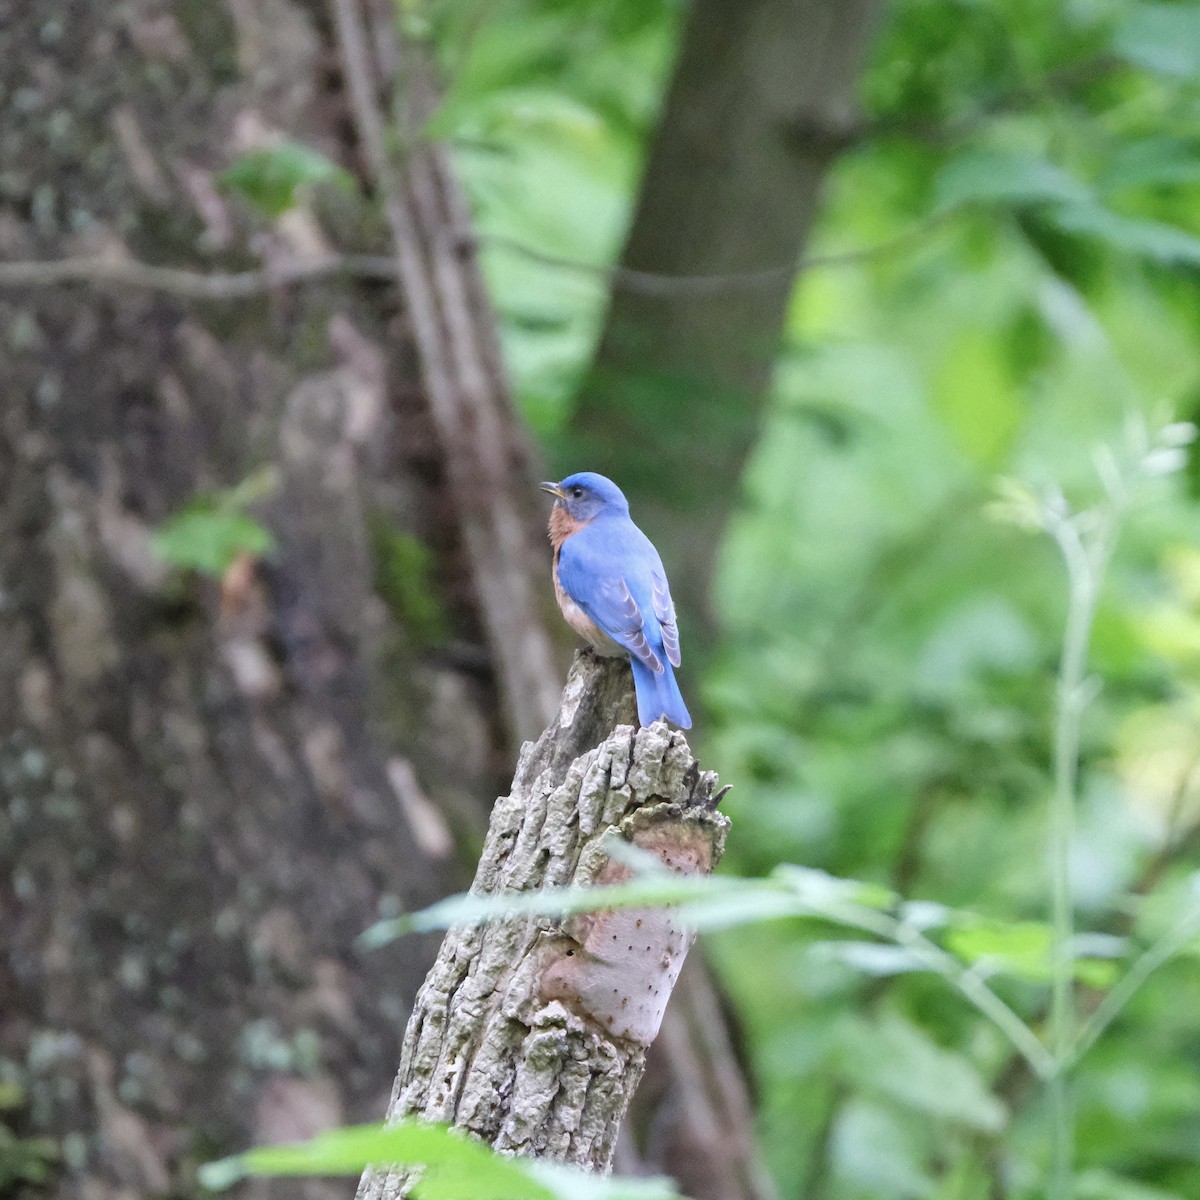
x=611 y=570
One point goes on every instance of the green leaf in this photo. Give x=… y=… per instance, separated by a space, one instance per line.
x=649 y=891
x=1024 y=950
x=871 y=958
x=207 y=539
x=452 y=1165
x=1003 y=177
x=405 y=579
x=876 y=1154
x=567 y=1183
x=271 y=178
x=976 y=399
x=211 y=531
x=901 y=1061
x=1161 y=37
x=25 y=1160
x=1136 y=235
x=1104 y=1185
x=703 y=901
x=1153 y=161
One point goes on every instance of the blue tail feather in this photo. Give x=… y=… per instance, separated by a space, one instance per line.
x=659 y=696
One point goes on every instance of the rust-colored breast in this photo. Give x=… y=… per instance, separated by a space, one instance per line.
x=562 y=525
x=572 y=613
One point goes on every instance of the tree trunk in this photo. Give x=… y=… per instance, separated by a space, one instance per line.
x=532 y=1033
x=760 y=103
x=207 y=790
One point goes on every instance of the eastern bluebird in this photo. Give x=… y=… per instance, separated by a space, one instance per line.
x=612 y=589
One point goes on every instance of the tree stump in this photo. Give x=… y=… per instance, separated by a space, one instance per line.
x=532 y=1032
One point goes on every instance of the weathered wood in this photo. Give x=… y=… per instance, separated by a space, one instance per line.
x=532 y=1032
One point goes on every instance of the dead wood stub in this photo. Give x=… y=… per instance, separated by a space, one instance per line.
x=532 y=1032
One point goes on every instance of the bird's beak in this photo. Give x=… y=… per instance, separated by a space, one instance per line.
x=553 y=489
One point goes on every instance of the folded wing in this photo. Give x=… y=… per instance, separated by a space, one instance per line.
x=664 y=610
x=608 y=600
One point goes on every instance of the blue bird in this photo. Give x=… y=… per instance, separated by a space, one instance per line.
x=613 y=591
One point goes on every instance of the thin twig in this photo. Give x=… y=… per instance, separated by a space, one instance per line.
x=238 y=285
x=193 y=285
x=656 y=283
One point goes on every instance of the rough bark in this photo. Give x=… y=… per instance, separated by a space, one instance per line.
x=532 y=1033
x=760 y=104
x=206 y=792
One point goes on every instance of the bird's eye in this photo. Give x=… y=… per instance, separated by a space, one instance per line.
x=577 y=492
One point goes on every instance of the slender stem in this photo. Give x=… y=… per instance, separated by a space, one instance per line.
x=977 y=992
x=1085 y=569
x=969 y=985
x=1126 y=988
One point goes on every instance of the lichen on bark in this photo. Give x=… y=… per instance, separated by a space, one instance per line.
x=532 y=1032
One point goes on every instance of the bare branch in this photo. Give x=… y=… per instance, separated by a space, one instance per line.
x=192 y=285
x=239 y=285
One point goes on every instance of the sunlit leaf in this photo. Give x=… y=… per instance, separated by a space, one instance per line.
x=272 y=177
x=207 y=539
x=975 y=397
x=1161 y=37
x=452 y=1166
x=1002 y=177
x=1024 y=949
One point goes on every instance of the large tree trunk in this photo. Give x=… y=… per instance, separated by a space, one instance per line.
x=208 y=791
x=532 y=1033
x=761 y=101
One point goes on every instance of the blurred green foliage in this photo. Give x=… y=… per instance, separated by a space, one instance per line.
x=450 y=1165
x=1011 y=260
x=23 y=1160
x=271 y=177
x=404 y=578
x=211 y=531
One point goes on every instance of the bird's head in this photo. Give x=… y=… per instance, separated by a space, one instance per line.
x=586 y=495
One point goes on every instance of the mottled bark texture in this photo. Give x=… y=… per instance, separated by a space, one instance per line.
x=532 y=1033
x=207 y=790
x=761 y=102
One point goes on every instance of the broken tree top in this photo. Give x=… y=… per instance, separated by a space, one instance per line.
x=532 y=1031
